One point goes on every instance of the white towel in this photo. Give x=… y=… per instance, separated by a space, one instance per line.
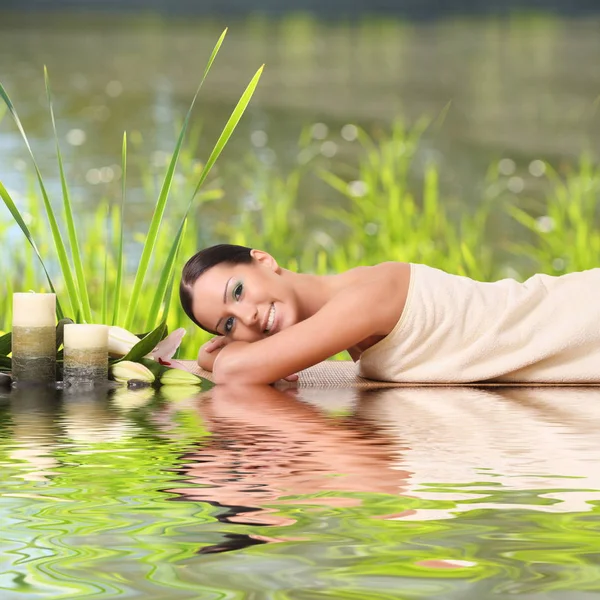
x=457 y=330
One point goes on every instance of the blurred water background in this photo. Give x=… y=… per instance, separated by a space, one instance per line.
x=522 y=85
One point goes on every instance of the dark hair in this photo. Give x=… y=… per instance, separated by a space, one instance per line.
x=203 y=261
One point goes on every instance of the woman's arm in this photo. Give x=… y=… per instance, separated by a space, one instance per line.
x=356 y=313
x=209 y=351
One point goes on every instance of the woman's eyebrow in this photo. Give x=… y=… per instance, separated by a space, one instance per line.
x=224 y=302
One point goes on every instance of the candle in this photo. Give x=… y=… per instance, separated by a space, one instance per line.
x=85 y=354
x=34 y=338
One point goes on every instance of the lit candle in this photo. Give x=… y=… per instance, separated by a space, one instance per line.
x=34 y=338
x=85 y=354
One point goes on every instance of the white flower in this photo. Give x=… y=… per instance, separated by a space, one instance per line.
x=126 y=370
x=120 y=341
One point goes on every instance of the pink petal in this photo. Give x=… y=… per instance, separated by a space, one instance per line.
x=189 y=366
x=167 y=347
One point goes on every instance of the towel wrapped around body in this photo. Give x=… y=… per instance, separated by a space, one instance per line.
x=457 y=330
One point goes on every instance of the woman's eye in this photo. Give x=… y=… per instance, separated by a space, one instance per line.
x=237 y=291
x=228 y=325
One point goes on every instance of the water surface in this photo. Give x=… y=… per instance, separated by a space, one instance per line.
x=269 y=493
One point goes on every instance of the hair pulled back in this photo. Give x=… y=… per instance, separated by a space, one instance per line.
x=203 y=261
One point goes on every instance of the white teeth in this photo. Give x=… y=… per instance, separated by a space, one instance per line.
x=271 y=318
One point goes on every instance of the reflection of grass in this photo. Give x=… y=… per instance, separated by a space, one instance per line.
x=379 y=215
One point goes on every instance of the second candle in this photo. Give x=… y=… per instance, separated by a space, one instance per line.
x=85 y=354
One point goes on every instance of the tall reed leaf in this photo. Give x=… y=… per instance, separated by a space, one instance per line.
x=230 y=126
x=167 y=273
x=159 y=209
x=166 y=278
x=119 y=280
x=83 y=293
x=14 y=211
x=58 y=242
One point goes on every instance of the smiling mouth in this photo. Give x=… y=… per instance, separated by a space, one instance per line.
x=270 y=320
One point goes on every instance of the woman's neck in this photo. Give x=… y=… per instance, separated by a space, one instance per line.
x=312 y=291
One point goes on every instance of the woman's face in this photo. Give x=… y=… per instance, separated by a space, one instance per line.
x=246 y=302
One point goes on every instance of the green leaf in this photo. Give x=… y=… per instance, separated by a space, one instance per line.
x=119 y=280
x=337 y=183
x=522 y=217
x=58 y=242
x=229 y=128
x=5 y=363
x=73 y=241
x=14 y=211
x=6 y=343
x=159 y=209
x=147 y=344
x=166 y=279
x=104 y=308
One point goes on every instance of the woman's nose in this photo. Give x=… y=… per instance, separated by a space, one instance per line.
x=248 y=314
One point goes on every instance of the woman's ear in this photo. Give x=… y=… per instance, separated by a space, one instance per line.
x=265 y=259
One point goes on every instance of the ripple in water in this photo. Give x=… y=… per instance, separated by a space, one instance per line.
x=416 y=493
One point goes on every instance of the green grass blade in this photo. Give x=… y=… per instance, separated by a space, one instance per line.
x=60 y=247
x=162 y=202
x=104 y=308
x=167 y=301
x=119 y=280
x=229 y=128
x=213 y=55
x=73 y=241
x=166 y=278
x=14 y=211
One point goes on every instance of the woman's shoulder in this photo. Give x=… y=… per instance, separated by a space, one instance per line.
x=391 y=272
x=379 y=290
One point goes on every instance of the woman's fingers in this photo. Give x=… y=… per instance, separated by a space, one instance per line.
x=292 y=377
x=214 y=344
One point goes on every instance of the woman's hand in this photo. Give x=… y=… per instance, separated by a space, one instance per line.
x=210 y=350
x=216 y=343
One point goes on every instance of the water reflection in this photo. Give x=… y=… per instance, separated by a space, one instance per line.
x=463 y=446
x=517 y=438
x=268 y=445
x=30 y=422
x=240 y=491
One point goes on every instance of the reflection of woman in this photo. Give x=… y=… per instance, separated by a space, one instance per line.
x=403 y=322
x=519 y=439
x=266 y=444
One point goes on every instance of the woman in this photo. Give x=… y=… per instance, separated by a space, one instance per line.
x=402 y=322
